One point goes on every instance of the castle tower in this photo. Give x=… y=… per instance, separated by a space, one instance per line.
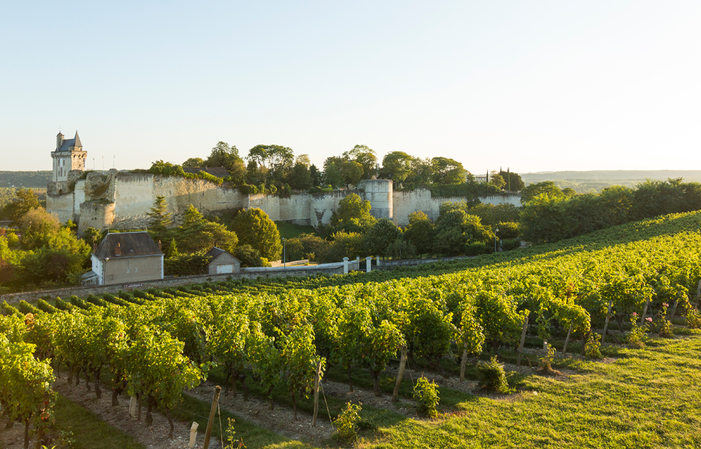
x=67 y=156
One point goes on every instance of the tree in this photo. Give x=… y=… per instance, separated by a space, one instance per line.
x=255 y=228
x=159 y=219
x=25 y=201
x=447 y=171
x=497 y=180
x=380 y=236
x=455 y=230
x=198 y=234
x=514 y=183
x=333 y=175
x=421 y=172
x=276 y=158
x=420 y=232
x=250 y=257
x=300 y=178
x=396 y=166
x=547 y=187
x=194 y=162
x=353 y=214
x=315 y=175
x=352 y=173
x=364 y=156
x=223 y=155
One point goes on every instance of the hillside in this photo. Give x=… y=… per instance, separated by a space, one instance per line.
x=597 y=180
x=628 y=392
x=33 y=179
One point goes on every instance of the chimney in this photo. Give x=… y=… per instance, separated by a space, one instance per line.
x=94 y=248
x=118 y=250
x=59 y=141
x=160 y=246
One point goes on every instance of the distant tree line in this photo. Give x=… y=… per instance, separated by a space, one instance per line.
x=26 y=179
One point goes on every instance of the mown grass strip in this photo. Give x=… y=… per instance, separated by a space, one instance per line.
x=89 y=430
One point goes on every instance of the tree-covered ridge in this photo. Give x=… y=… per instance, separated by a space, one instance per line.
x=27 y=179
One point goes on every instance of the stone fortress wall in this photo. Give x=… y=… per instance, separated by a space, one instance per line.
x=121 y=200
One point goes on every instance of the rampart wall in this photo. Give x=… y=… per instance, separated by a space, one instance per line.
x=122 y=200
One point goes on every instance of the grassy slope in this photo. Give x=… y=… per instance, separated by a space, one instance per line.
x=647 y=397
x=291 y=231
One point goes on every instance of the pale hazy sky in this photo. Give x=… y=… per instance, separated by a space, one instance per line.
x=532 y=85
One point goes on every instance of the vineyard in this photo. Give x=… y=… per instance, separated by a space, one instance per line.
x=275 y=339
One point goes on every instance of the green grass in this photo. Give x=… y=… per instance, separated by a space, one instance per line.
x=646 y=398
x=291 y=231
x=89 y=431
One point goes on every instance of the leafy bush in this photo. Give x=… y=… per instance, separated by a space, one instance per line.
x=593 y=346
x=638 y=334
x=491 y=376
x=347 y=423
x=250 y=257
x=693 y=319
x=508 y=230
x=186 y=264
x=509 y=245
x=426 y=394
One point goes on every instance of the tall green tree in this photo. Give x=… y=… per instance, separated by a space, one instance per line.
x=546 y=187
x=159 y=219
x=514 y=183
x=366 y=157
x=420 y=232
x=447 y=171
x=396 y=166
x=197 y=234
x=255 y=228
x=380 y=236
x=353 y=214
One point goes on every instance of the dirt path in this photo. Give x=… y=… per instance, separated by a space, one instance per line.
x=155 y=437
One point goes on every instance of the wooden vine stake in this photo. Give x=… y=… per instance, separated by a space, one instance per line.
x=567 y=340
x=642 y=318
x=400 y=373
x=317 y=378
x=523 y=341
x=463 y=364
x=674 y=308
x=210 y=422
x=698 y=294
x=606 y=324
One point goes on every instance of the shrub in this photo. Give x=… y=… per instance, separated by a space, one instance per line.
x=250 y=257
x=426 y=394
x=475 y=249
x=509 y=245
x=661 y=324
x=638 y=334
x=491 y=376
x=347 y=423
x=693 y=319
x=593 y=346
x=547 y=360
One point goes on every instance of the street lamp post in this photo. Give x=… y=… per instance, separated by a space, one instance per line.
x=284 y=254
x=495 y=239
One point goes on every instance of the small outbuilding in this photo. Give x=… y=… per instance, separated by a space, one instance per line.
x=222 y=262
x=125 y=257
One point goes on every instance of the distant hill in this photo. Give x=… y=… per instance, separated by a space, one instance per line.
x=33 y=179
x=597 y=180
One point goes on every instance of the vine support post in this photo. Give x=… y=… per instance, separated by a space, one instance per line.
x=698 y=294
x=463 y=364
x=674 y=309
x=642 y=318
x=400 y=373
x=317 y=378
x=523 y=341
x=567 y=340
x=606 y=324
x=210 y=422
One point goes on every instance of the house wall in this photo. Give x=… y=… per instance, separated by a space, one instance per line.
x=133 y=269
